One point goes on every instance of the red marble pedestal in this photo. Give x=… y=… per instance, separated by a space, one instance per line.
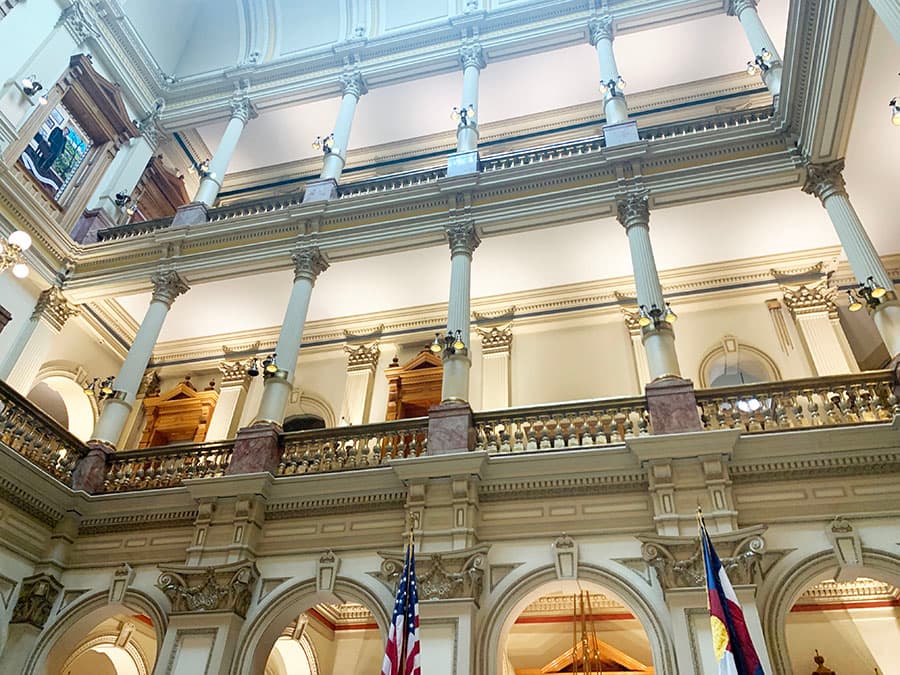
x=450 y=428
x=89 y=473
x=190 y=214
x=256 y=448
x=673 y=406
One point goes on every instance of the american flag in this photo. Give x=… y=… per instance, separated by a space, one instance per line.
x=401 y=654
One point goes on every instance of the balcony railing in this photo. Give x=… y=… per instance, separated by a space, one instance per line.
x=166 y=467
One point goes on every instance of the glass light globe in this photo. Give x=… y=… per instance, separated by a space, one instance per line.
x=20 y=239
x=20 y=270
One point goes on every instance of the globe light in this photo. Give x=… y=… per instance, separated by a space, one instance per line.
x=21 y=240
x=20 y=270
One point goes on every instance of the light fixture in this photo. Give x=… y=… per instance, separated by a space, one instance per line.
x=203 y=169
x=122 y=199
x=869 y=293
x=11 y=253
x=656 y=316
x=895 y=112
x=268 y=367
x=449 y=344
x=463 y=114
x=614 y=87
x=761 y=63
x=326 y=144
x=31 y=86
x=101 y=389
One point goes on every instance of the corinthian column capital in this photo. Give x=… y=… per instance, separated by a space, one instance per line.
x=601 y=28
x=54 y=307
x=825 y=180
x=471 y=54
x=242 y=108
x=168 y=285
x=352 y=82
x=463 y=237
x=633 y=209
x=309 y=263
x=735 y=7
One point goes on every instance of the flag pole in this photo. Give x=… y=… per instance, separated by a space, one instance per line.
x=404 y=644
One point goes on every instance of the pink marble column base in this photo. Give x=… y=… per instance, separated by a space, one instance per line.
x=89 y=473
x=672 y=406
x=256 y=448
x=190 y=214
x=450 y=429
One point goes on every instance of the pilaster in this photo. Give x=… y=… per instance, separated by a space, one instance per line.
x=496 y=365
x=362 y=360
x=815 y=313
x=233 y=388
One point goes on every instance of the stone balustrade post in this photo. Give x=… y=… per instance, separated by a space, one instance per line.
x=758 y=37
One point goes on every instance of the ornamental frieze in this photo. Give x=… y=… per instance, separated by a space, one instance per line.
x=209 y=589
x=36 y=600
x=440 y=576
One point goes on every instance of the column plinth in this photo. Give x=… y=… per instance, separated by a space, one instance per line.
x=89 y=473
x=451 y=428
x=256 y=448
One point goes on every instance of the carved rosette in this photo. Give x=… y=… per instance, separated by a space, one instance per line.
x=36 y=600
x=168 y=285
x=471 y=55
x=309 y=263
x=209 y=589
x=633 y=209
x=53 y=307
x=234 y=373
x=242 y=108
x=463 y=237
x=825 y=180
x=813 y=299
x=352 y=83
x=735 y=7
x=440 y=576
x=496 y=340
x=362 y=357
x=78 y=22
x=601 y=28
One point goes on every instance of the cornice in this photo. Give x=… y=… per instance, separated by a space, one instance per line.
x=140 y=520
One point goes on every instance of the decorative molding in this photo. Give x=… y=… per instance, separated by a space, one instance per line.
x=440 y=576
x=362 y=336
x=559 y=604
x=36 y=598
x=352 y=82
x=497 y=573
x=326 y=572
x=565 y=557
x=496 y=340
x=54 y=307
x=309 y=263
x=847 y=547
x=362 y=357
x=342 y=503
x=600 y=28
x=168 y=285
x=825 y=180
x=142 y=520
x=537 y=487
x=78 y=22
x=29 y=501
x=843 y=464
x=810 y=299
x=862 y=589
x=471 y=55
x=209 y=589
x=234 y=373
x=122 y=578
x=242 y=107
x=463 y=237
x=633 y=208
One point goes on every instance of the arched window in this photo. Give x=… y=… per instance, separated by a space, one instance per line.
x=733 y=363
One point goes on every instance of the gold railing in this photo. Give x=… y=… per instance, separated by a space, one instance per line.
x=36 y=436
x=838 y=400
x=576 y=424
x=166 y=467
x=352 y=447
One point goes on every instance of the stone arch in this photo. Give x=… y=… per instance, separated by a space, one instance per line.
x=652 y=615
x=783 y=592
x=70 y=626
x=265 y=623
x=138 y=661
x=67 y=379
x=764 y=363
x=305 y=402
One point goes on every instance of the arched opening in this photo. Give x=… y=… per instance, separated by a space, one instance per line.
x=732 y=363
x=63 y=399
x=303 y=422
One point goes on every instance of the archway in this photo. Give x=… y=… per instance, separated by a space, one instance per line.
x=57 y=392
x=733 y=362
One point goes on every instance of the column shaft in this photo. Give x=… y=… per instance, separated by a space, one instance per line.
x=615 y=108
x=467 y=135
x=463 y=242
x=889 y=12
x=759 y=39
x=646 y=277
x=212 y=183
x=334 y=161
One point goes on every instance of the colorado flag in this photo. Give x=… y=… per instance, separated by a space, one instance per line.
x=731 y=640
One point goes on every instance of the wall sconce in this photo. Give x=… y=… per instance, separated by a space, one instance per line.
x=101 y=389
x=761 y=63
x=463 y=114
x=656 y=316
x=267 y=368
x=31 y=86
x=449 y=344
x=11 y=251
x=614 y=87
x=895 y=112
x=868 y=293
x=326 y=145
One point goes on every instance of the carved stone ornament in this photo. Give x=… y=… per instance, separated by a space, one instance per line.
x=825 y=180
x=78 y=22
x=632 y=320
x=633 y=209
x=678 y=561
x=471 y=55
x=326 y=572
x=565 y=557
x=735 y=7
x=242 y=108
x=847 y=548
x=440 y=576
x=168 y=285
x=122 y=578
x=496 y=340
x=463 y=237
x=209 y=589
x=810 y=299
x=36 y=600
x=54 y=307
x=362 y=357
x=150 y=384
x=309 y=263
x=601 y=28
x=234 y=373
x=352 y=82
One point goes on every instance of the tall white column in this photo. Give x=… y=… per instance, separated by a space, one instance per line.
x=167 y=285
x=889 y=12
x=496 y=350
x=826 y=182
x=241 y=112
x=309 y=263
x=614 y=104
x=816 y=317
x=232 y=393
x=463 y=241
x=659 y=342
x=758 y=37
x=28 y=354
x=353 y=88
x=362 y=360
x=471 y=57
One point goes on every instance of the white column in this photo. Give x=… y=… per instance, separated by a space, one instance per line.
x=889 y=12
x=826 y=182
x=232 y=394
x=353 y=88
x=362 y=360
x=758 y=37
x=815 y=314
x=463 y=242
x=167 y=285
x=471 y=57
x=211 y=183
x=659 y=342
x=309 y=263
x=641 y=369
x=29 y=353
x=614 y=104
x=496 y=350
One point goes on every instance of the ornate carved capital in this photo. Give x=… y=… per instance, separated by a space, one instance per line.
x=632 y=316
x=496 y=340
x=234 y=373
x=78 y=22
x=149 y=384
x=471 y=55
x=810 y=299
x=168 y=285
x=633 y=209
x=735 y=7
x=463 y=237
x=601 y=28
x=242 y=108
x=825 y=180
x=53 y=307
x=36 y=600
x=362 y=357
x=440 y=576
x=209 y=589
x=352 y=82
x=309 y=263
